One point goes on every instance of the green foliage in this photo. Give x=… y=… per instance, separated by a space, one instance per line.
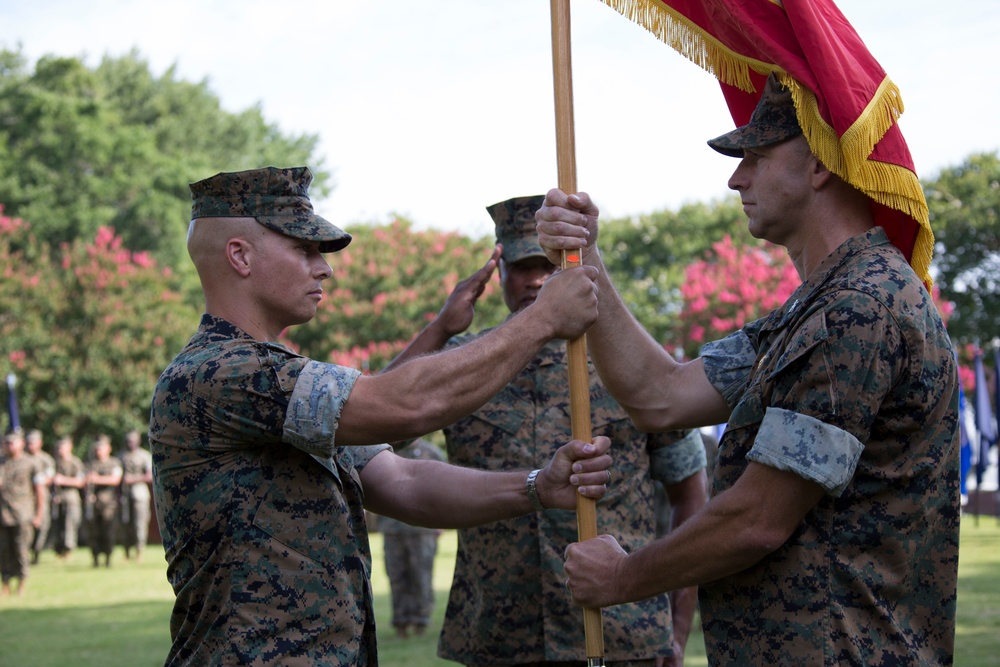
x=647 y=256
x=386 y=286
x=964 y=203
x=87 y=329
x=116 y=147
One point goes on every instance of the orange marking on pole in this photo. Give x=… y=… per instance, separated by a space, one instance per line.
x=573 y=258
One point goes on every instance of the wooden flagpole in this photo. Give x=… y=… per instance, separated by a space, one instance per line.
x=579 y=382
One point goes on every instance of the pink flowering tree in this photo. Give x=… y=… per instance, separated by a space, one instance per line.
x=388 y=284
x=86 y=328
x=732 y=286
x=738 y=284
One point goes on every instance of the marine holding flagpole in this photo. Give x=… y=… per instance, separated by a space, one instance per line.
x=831 y=537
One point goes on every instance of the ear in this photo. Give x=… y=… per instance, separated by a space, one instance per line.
x=819 y=174
x=238 y=252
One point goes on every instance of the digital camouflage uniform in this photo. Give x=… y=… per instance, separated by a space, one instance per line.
x=409 y=554
x=102 y=508
x=260 y=512
x=135 y=501
x=508 y=602
x=40 y=535
x=67 y=506
x=18 y=477
x=851 y=384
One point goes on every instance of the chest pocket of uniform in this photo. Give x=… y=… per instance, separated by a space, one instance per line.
x=604 y=410
x=807 y=355
x=507 y=411
x=812 y=333
x=301 y=512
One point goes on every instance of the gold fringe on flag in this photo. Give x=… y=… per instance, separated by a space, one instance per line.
x=891 y=185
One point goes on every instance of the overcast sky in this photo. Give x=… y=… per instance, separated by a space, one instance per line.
x=435 y=110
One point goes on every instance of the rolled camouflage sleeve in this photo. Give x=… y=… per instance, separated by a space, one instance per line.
x=315 y=405
x=807 y=447
x=679 y=460
x=728 y=363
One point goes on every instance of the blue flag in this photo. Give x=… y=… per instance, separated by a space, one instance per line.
x=996 y=384
x=984 y=420
x=965 y=443
x=15 y=418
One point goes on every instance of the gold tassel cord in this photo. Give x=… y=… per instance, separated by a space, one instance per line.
x=678 y=32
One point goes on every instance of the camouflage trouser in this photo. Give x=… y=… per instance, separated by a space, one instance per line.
x=101 y=527
x=134 y=520
x=66 y=526
x=14 y=545
x=409 y=562
x=40 y=535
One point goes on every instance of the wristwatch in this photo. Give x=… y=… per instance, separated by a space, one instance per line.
x=529 y=484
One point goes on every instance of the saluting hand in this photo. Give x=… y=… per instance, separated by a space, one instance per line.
x=459 y=308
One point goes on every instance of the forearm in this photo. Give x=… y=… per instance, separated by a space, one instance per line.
x=686 y=499
x=39 y=502
x=658 y=392
x=106 y=480
x=430 y=392
x=437 y=495
x=633 y=378
x=715 y=542
x=733 y=531
x=683 y=602
x=430 y=339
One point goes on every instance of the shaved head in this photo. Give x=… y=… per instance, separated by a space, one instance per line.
x=207 y=237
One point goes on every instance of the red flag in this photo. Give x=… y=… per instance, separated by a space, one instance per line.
x=844 y=101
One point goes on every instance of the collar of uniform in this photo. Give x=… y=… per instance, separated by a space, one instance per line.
x=875 y=236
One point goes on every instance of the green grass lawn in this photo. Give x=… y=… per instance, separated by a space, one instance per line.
x=74 y=614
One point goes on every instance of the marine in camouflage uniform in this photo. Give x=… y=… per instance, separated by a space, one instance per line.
x=409 y=555
x=508 y=603
x=66 y=499
x=260 y=510
x=857 y=371
x=137 y=465
x=35 y=448
x=832 y=534
x=104 y=476
x=257 y=577
x=21 y=481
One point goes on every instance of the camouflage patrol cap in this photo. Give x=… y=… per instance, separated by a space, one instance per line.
x=773 y=121
x=276 y=198
x=515 y=227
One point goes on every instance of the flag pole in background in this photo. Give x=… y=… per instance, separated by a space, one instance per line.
x=12 y=412
x=996 y=398
x=576 y=350
x=984 y=424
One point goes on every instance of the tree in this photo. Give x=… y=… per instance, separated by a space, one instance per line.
x=729 y=288
x=87 y=328
x=647 y=256
x=386 y=286
x=82 y=149
x=964 y=204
